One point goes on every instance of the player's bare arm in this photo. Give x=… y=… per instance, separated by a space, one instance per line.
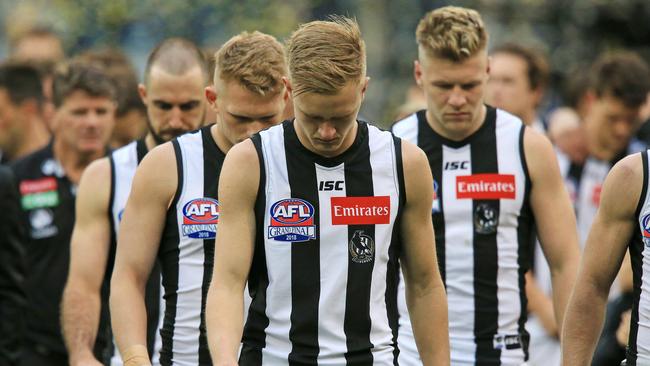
x=604 y=251
x=554 y=217
x=233 y=252
x=89 y=248
x=153 y=189
x=425 y=292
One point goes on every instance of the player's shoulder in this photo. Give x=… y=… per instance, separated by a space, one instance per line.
x=630 y=168
x=97 y=173
x=625 y=187
x=161 y=156
x=243 y=152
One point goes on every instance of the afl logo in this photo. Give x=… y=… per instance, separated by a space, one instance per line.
x=645 y=230
x=435 y=206
x=200 y=218
x=292 y=219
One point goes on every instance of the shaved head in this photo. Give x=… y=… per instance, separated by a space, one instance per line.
x=176 y=56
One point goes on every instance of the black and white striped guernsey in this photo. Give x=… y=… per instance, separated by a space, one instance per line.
x=482 y=222
x=124 y=161
x=638 y=349
x=186 y=249
x=325 y=269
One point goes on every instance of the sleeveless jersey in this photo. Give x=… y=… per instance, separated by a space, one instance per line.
x=186 y=249
x=482 y=221
x=124 y=162
x=638 y=350
x=325 y=268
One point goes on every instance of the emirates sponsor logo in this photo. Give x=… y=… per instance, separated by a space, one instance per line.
x=360 y=210
x=38 y=185
x=486 y=186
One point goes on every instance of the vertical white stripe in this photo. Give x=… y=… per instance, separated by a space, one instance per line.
x=125 y=162
x=278 y=253
x=190 y=258
x=508 y=294
x=333 y=278
x=407 y=129
x=593 y=176
x=385 y=183
x=459 y=254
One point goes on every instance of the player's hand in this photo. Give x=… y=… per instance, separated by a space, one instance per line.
x=623 y=331
x=88 y=361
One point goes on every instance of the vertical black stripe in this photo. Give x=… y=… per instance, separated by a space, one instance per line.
x=168 y=254
x=110 y=349
x=428 y=143
x=111 y=199
x=636 y=257
x=486 y=305
x=525 y=247
x=254 y=338
x=212 y=163
x=392 y=275
x=305 y=262
x=141 y=149
x=359 y=183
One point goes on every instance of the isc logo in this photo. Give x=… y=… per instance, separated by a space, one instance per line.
x=201 y=210
x=331 y=185
x=455 y=165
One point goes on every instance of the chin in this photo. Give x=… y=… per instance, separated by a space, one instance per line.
x=89 y=148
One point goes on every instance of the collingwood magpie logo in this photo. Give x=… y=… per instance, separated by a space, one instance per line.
x=486 y=219
x=362 y=247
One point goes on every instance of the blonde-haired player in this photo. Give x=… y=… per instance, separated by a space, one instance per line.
x=318 y=223
x=493 y=178
x=173 y=211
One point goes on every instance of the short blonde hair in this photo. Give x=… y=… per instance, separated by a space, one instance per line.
x=255 y=60
x=452 y=33
x=323 y=56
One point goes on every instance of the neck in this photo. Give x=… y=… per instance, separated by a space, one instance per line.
x=460 y=134
x=36 y=136
x=150 y=141
x=596 y=149
x=601 y=152
x=528 y=117
x=72 y=161
x=222 y=142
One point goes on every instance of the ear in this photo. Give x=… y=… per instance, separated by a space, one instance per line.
x=364 y=86
x=417 y=72
x=287 y=84
x=211 y=95
x=589 y=99
x=29 y=107
x=142 y=91
x=286 y=95
x=487 y=68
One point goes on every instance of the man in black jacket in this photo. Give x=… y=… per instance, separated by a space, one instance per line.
x=84 y=98
x=12 y=270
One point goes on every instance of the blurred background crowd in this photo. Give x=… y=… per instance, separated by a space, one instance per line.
x=542 y=70
x=570 y=34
